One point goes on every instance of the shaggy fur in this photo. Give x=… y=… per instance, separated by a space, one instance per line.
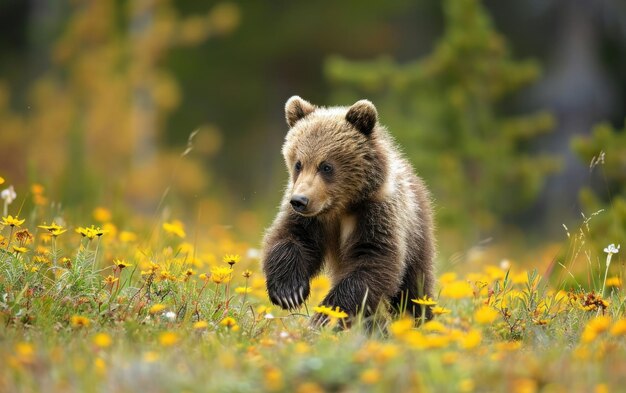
x=353 y=205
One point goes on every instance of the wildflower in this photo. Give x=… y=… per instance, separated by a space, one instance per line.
x=152 y=268
x=230 y=323
x=401 y=327
x=121 y=264
x=611 y=249
x=200 y=325
x=242 y=290
x=167 y=339
x=8 y=195
x=246 y=273
x=595 y=327
x=471 y=339
x=614 y=282
x=156 y=308
x=189 y=272
x=1 y=180
x=457 y=290
x=150 y=357
x=231 y=259
x=204 y=277
x=440 y=310
x=101 y=214
x=221 y=274
x=102 y=340
x=328 y=311
x=12 y=221
x=23 y=236
x=25 y=352
x=171 y=315
x=619 y=328
x=79 y=321
x=485 y=315
x=175 y=228
x=127 y=237
x=110 y=280
x=20 y=250
x=425 y=301
x=91 y=232
x=370 y=376
x=467 y=385
x=273 y=379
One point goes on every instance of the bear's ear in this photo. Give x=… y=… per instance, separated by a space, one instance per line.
x=296 y=108
x=363 y=116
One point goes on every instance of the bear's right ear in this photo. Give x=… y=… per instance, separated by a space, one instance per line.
x=296 y=108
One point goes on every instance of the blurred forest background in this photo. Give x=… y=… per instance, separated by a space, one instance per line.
x=501 y=106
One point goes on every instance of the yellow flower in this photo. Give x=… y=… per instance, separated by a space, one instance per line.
x=220 y=274
x=150 y=357
x=1 y=180
x=200 y=325
x=231 y=259
x=619 y=328
x=167 y=339
x=175 y=228
x=440 y=310
x=614 y=282
x=204 y=277
x=595 y=327
x=156 y=308
x=102 y=340
x=370 y=376
x=101 y=214
x=485 y=315
x=273 y=379
x=152 y=268
x=189 y=272
x=91 y=232
x=20 y=250
x=401 y=327
x=110 y=280
x=230 y=323
x=435 y=326
x=425 y=301
x=12 y=221
x=25 y=352
x=335 y=314
x=457 y=290
x=79 y=321
x=242 y=290
x=121 y=264
x=127 y=237
x=246 y=273
x=470 y=340
x=54 y=229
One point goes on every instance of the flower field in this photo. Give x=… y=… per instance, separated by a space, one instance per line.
x=154 y=306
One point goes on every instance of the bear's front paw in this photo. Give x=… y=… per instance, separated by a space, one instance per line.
x=289 y=295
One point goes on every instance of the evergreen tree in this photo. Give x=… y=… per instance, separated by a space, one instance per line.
x=444 y=109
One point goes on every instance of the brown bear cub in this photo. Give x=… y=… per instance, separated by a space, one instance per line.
x=353 y=205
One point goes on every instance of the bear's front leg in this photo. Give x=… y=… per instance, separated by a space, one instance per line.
x=292 y=256
x=370 y=271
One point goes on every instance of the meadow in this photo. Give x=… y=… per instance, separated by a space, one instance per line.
x=156 y=306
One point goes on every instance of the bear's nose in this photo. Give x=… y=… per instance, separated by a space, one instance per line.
x=299 y=202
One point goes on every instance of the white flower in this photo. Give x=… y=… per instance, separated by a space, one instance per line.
x=269 y=316
x=8 y=194
x=171 y=315
x=610 y=249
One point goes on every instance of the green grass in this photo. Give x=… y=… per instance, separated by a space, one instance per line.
x=164 y=324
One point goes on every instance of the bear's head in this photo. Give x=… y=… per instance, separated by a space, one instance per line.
x=332 y=154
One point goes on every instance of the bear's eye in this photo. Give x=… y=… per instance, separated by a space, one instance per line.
x=298 y=166
x=326 y=168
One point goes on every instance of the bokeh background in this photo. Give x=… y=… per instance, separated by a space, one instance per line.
x=513 y=112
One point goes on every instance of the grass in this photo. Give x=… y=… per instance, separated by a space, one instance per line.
x=141 y=309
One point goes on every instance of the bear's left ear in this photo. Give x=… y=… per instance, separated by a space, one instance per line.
x=363 y=116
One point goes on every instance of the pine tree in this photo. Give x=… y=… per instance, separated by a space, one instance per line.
x=444 y=110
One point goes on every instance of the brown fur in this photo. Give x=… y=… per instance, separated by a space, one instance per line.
x=368 y=220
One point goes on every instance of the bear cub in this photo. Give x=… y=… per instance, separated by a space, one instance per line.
x=354 y=206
